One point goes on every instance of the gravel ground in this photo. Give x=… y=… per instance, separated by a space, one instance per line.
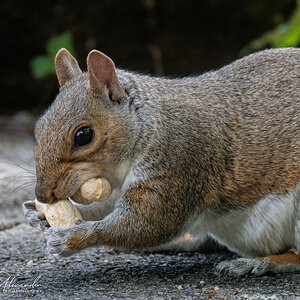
x=27 y=272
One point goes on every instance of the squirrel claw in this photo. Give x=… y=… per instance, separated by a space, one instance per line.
x=237 y=267
x=65 y=241
x=251 y=266
x=57 y=239
x=34 y=218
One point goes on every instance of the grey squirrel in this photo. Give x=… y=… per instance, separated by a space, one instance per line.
x=212 y=155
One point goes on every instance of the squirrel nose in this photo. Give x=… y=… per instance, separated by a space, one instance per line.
x=43 y=193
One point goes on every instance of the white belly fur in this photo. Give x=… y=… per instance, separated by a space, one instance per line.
x=268 y=227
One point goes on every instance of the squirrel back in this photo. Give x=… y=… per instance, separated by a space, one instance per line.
x=234 y=131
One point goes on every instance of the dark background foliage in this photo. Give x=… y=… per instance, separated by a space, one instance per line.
x=162 y=37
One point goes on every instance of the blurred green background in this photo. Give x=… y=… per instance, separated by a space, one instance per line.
x=160 y=37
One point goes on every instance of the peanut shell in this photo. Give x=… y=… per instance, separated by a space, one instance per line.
x=61 y=213
x=95 y=189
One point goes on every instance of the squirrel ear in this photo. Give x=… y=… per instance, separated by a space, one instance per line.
x=66 y=66
x=102 y=74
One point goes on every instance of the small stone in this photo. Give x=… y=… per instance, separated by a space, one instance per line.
x=202 y=282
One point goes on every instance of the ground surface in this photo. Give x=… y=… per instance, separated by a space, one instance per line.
x=27 y=272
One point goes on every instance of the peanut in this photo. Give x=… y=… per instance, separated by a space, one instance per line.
x=95 y=189
x=61 y=213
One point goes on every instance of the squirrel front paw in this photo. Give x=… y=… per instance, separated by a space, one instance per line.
x=34 y=217
x=65 y=241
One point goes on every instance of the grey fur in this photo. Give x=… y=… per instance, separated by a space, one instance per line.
x=216 y=143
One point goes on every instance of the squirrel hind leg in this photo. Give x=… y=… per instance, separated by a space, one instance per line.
x=288 y=262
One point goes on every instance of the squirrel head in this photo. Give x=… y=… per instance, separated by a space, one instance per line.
x=83 y=134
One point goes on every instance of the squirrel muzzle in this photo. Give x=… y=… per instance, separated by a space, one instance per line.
x=44 y=192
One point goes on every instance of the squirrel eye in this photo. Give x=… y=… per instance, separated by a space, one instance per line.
x=83 y=136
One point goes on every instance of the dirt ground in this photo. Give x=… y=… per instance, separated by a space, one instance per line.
x=27 y=272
